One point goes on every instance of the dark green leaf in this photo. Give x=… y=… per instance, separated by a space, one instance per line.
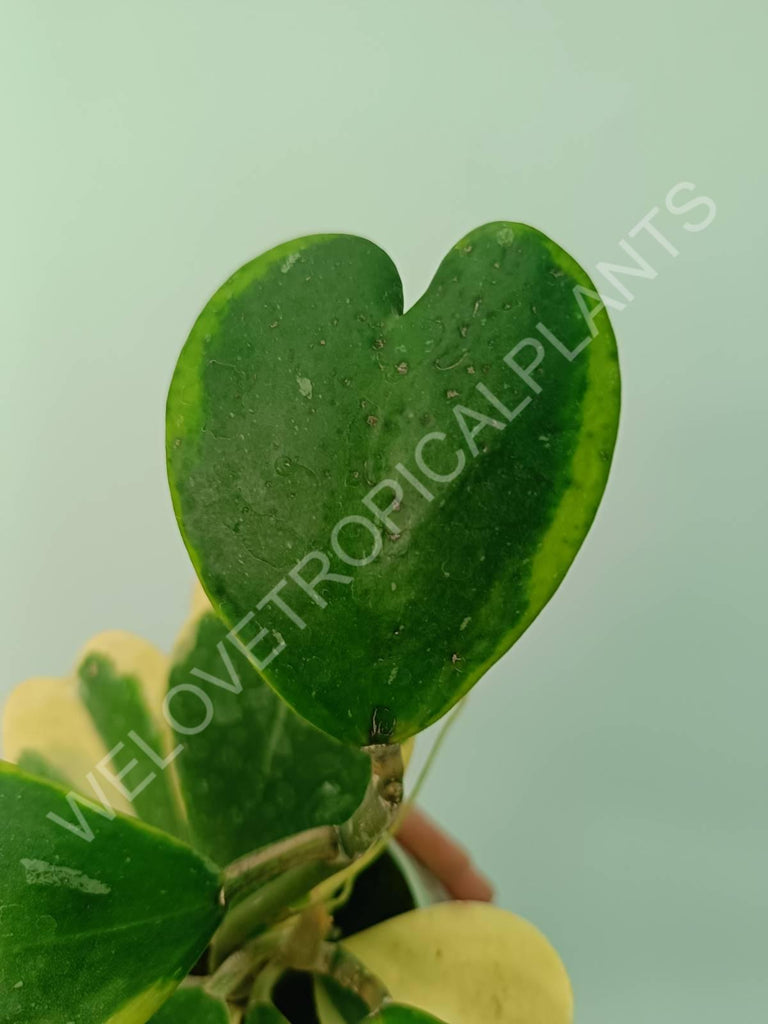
x=303 y=386
x=257 y=772
x=348 y=1007
x=192 y=1006
x=97 y=927
x=120 y=707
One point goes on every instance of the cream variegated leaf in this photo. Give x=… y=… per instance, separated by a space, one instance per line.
x=101 y=730
x=465 y=963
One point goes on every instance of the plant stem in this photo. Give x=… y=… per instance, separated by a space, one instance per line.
x=338 y=963
x=271 y=902
x=303 y=861
x=317 y=844
x=265 y=982
x=243 y=963
x=231 y=974
x=380 y=804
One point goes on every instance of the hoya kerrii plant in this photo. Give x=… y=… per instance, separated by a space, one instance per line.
x=377 y=504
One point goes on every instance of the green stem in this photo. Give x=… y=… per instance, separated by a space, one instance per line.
x=231 y=974
x=313 y=856
x=243 y=875
x=338 y=963
x=267 y=978
x=272 y=902
x=242 y=964
x=379 y=806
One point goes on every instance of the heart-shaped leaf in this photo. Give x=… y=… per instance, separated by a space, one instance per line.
x=379 y=504
x=100 y=916
x=466 y=963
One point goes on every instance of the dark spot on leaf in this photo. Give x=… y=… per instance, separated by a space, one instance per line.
x=383 y=723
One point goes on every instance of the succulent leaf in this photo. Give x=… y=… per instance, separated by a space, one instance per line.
x=257 y=772
x=380 y=503
x=100 y=920
x=466 y=963
x=102 y=728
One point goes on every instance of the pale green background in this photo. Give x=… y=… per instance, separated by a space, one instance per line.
x=611 y=772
